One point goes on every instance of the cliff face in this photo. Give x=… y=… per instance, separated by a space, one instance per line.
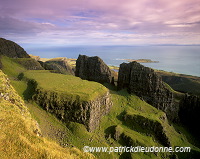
x=29 y=63
x=92 y=69
x=11 y=49
x=189 y=112
x=88 y=113
x=149 y=126
x=60 y=66
x=145 y=83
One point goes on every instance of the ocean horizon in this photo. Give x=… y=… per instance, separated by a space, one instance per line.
x=183 y=59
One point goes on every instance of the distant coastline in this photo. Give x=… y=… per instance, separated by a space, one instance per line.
x=141 y=60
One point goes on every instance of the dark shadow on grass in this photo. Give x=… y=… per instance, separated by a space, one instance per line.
x=121 y=116
x=109 y=132
x=30 y=90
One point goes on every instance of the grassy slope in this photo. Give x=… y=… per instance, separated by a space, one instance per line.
x=19 y=135
x=76 y=134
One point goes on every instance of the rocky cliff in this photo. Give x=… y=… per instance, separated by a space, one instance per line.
x=149 y=126
x=146 y=84
x=92 y=69
x=11 y=49
x=59 y=66
x=29 y=63
x=87 y=113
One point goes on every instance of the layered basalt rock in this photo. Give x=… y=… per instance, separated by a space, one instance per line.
x=29 y=63
x=11 y=49
x=59 y=66
x=92 y=69
x=146 y=84
x=88 y=113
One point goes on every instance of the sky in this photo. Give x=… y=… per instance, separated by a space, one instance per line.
x=100 y=22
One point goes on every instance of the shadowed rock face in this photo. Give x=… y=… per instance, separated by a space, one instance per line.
x=11 y=49
x=92 y=69
x=61 y=66
x=189 y=112
x=145 y=83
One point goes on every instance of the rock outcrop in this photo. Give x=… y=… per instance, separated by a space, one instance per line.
x=11 y=49
x=92 y=69
x=189 y=112
x=29 y=63
x=146 y=84
x=59 y=66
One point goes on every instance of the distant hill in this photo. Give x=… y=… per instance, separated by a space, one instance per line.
x=180 y=82
x=11 y=49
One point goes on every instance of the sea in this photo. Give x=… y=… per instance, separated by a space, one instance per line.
x=183 y=59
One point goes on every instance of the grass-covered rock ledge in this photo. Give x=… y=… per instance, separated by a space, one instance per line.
x=69 y=98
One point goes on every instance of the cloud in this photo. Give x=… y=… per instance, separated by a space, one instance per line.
x=114 y=21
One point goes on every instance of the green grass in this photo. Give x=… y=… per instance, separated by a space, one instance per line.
x=20 y=87
x=74 y=134
x=11 y=68
x=67 y=84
